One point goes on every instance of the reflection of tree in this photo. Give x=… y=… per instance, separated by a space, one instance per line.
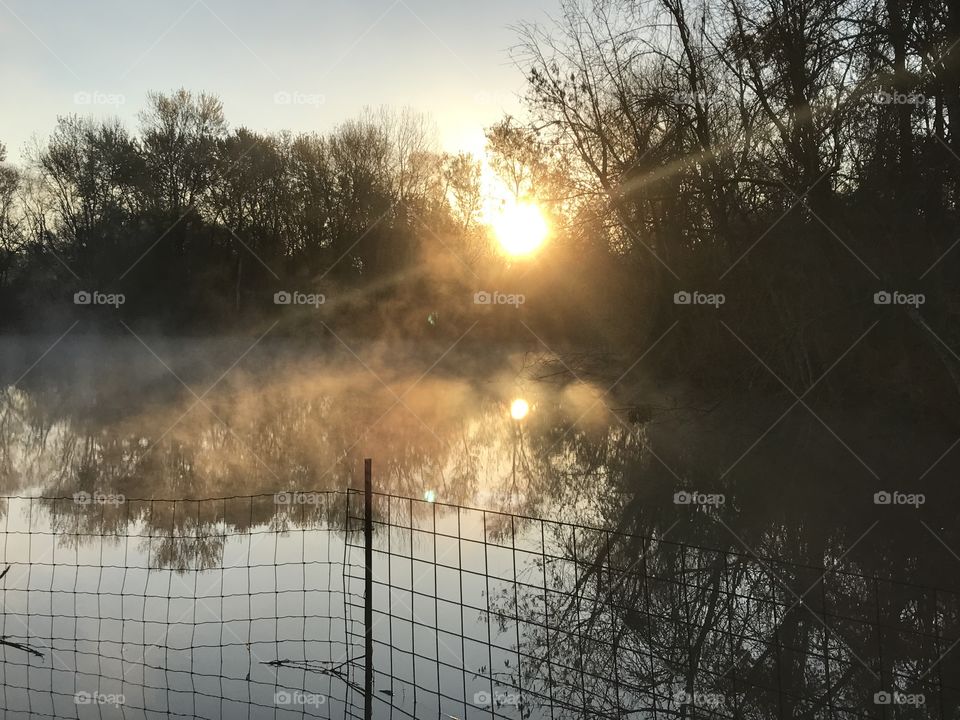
x=643 y=625
x=670 y=599
x=10 y=643
x=770 y=605
x=187 y=534
x=256 y=436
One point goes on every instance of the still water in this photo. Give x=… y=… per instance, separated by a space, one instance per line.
x=203 y=557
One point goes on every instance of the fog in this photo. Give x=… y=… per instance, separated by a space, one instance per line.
x=153 y=417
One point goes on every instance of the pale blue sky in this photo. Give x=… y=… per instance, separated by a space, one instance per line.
x=447 y=58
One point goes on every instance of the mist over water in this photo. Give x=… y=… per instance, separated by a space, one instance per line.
x=197 y=486
x=168 y=418
x=178 y=418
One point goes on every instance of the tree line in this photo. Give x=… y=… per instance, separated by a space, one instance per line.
x=798 y=158
x=795 y=158
x=193 y=220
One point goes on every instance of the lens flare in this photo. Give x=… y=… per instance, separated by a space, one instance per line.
x=519 y=409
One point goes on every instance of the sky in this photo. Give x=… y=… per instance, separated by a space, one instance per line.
x=276 y=64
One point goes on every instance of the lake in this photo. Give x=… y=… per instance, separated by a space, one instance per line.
x=183 y=529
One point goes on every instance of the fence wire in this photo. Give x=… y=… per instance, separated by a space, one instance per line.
x=253 y=607
x=216 y=608
x=485 y=614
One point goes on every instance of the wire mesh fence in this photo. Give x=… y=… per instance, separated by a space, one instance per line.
x=481 y=613
x=263 y=606
x=114 y=607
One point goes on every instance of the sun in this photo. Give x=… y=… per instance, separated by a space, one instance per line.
x=519 y=224
x=520 y=228
x=519 y=409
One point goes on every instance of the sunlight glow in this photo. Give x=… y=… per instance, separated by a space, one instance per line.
x=520 y=228
x=519 y=409
x=518 y=224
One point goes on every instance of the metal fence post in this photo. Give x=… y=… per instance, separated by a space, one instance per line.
x=368 y=589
